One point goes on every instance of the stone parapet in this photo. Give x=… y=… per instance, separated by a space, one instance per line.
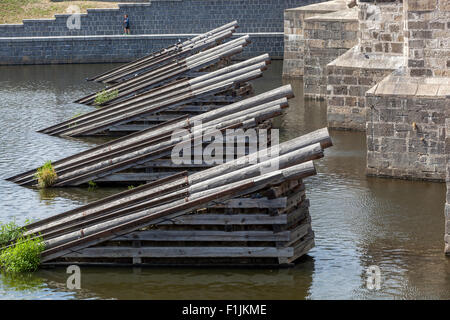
x=327 y=36
x=348 y=79
x=406 y=127
x=113 y=48
x=294 y=40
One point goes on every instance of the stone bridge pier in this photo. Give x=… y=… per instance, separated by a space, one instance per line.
x=394 y=83
x=377 y=54
x=408 y=112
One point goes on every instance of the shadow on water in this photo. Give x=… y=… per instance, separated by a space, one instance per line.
x=358 y=221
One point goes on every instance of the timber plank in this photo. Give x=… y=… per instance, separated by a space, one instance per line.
x=245 y=203
x=175 y=252
x=207 y=235
x=224 y=219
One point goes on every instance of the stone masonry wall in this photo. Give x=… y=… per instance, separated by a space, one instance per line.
x=381 y=28
x=428 y=37
x=99 y=49
x=377 y=55
x=153 y=26
x=348 y=79
x=294 y=40
x=447 y=205
x=165 y=17
x=327 y=37
x=406 y=128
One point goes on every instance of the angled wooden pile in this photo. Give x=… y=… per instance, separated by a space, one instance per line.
x=145 y=155
x=250 y=210
x=241 y=212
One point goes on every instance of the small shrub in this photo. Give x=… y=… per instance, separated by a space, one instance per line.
x=23 y=256
x=46 y=175
x=105 y=96
x=9 y=232
x=130 y=187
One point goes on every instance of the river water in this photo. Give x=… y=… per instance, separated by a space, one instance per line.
x=358 y=221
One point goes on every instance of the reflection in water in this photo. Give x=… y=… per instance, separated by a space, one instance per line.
x=80 y=195
x=159 y=283
x=173 y=283
x=358 y=221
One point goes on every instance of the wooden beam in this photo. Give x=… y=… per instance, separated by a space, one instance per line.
x=177 y=252
x=224 y=219
x=242 y=203
x=207 y=235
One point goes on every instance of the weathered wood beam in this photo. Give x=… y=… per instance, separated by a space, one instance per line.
x=176 y=51
x=176 y=252
x=123 y=225
x=226 y=219
x=165 y=74
x=206 y=235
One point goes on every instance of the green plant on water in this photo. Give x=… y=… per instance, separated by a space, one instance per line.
x=105 y=96
x=46 y=175
x=92 y=186
x=9 y=232
x=22 y=256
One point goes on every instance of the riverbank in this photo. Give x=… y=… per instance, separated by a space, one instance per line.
x=358 y=221
x=97 y=37
x=14 y=11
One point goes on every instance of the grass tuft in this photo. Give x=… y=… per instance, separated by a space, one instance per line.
x=105 y=96
x=46 y=175
x=23 y=256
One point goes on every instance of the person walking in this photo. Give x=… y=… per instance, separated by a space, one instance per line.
x=126 y=24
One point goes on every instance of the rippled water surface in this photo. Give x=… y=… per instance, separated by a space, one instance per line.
x=358 y=221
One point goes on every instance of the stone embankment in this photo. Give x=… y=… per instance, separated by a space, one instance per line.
x=154 y=25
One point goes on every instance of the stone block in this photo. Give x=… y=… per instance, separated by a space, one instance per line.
x=315 y=31
x=416 y=145
x=421 y=5
x=444 y=5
